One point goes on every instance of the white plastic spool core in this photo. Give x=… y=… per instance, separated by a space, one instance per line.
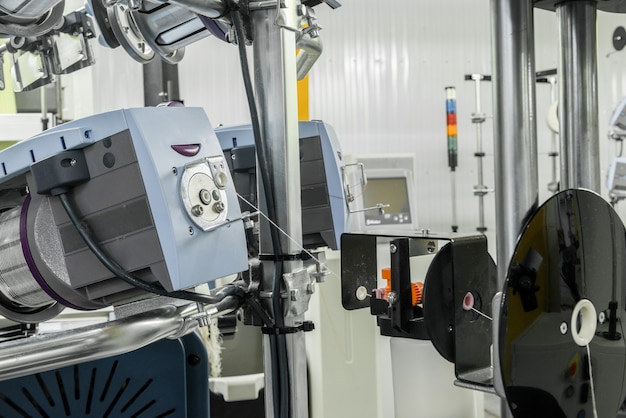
x=588 y=321
x=468 y=302
x=361 y=293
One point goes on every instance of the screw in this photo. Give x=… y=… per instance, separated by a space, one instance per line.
x=197 y=210
x=219 y=207
x=392 y=298
x=601 y=317
x=174 y=171
x=190 y=231
x=194 y=359
x=430 y=247
x=563 y=328
x=393 y=248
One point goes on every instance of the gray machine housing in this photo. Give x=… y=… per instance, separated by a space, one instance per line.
x=324 y=212
x=159 y=199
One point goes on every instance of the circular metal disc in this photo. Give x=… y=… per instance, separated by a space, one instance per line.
x=439 y=303
x=128 y=35
x=443 y=303
x=572 y=249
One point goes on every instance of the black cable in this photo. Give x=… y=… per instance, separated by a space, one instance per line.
x=120 y=273
x=256 y=306
x=229 y=302
x=283 y=365
x=278 y=347
x=259 y=144
x=276 y=380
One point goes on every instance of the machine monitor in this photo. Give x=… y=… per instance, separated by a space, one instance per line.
x=381 y=192
x=392 y=192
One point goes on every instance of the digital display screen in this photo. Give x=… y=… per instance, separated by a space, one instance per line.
x=390 y=191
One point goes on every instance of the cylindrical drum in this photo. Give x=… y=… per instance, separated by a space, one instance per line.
x=17 y=284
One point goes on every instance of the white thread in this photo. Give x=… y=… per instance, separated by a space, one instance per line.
x=214 y=347
x=480 y=313
x=593 y=391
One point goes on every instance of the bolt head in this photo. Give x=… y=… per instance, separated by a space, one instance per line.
x=392 y=298
x=197 y=210
x=219 y=207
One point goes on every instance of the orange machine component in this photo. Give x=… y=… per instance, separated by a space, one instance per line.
x=417 y=288
x=417 y=292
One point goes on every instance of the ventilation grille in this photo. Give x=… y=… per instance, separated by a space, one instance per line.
x=148 y=383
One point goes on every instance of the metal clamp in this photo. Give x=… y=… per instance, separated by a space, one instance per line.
x=317 y=269
x=346 y=184
x=299 y=288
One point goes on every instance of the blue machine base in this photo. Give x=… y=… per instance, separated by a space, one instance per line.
x=168 y=378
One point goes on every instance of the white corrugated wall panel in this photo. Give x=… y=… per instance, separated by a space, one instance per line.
x=210 y=77
x=380 y=83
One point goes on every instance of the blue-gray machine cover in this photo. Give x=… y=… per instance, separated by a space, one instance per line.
x=180 y=167
x=324 y=211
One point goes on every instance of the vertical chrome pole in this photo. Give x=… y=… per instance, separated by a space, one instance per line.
x=553 y=186
x=515 y=127
x=480 y=190
x=515 y=123
x=578 y=104
x=276 y=91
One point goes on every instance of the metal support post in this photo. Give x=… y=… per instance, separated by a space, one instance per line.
x=578 y=104
x=515 y=126
x=553 y=186
x=160 y=83
x=478 y=118
x=59 y=89
x=276 y=92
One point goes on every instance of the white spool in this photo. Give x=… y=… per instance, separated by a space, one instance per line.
x=588 y=322
x=361 y=293
x=552 y=118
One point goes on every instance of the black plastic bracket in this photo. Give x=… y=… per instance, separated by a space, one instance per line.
x=58 y=174
x=306 y=326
